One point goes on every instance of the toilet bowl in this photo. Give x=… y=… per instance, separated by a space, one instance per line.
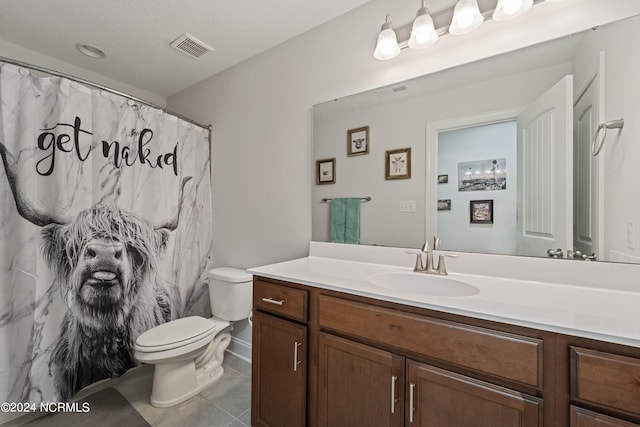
x=188 y=352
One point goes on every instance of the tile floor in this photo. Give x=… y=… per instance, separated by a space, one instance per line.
x=226 y=403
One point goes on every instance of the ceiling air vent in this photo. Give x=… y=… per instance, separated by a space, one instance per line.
x=391 y=90
x=191 y=46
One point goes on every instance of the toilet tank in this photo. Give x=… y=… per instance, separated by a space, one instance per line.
x=230 y=293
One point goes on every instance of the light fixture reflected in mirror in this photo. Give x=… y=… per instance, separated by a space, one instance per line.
x=507 y=9
x=466 y=17
x=387 y=45
x=423 y=32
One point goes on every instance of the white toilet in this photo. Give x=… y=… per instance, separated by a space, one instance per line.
x=188 y=352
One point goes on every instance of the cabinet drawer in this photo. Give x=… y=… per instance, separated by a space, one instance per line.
x=513 y=357
x=279 y=299
x=606 y=380
x=583 y=418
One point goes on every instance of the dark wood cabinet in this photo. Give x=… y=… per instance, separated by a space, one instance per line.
x=279 y=372
x=439 y=398
x=358 y=385
x=514 y=359
x=330 y=359
x=279 y=353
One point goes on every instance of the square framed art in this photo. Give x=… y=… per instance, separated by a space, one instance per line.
x=481 y=211
x=398 y=164
x=326 y=171
x=358 y=141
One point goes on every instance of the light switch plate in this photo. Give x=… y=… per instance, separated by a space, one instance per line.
x=407 y=206
x=631 y=235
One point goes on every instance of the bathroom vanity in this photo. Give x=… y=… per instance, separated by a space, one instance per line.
x=333 y=345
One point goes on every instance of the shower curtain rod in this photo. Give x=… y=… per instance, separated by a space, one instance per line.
x=97 y=86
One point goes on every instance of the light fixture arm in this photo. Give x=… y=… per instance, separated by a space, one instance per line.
x=423 y=8
x=388 y=25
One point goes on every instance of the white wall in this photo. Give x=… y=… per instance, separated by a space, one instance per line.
x=391 y=126
x=493 y=141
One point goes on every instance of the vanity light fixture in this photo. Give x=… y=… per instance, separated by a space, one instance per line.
x=387 y=46
x=507 y=9
x=423 y=32
x=466 y=17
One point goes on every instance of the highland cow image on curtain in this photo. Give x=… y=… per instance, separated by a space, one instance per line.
x=105 y=208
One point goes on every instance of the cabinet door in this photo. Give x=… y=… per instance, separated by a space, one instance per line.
x=584 y=418
x=279 y=372
x=358 y=385
x=439 y=398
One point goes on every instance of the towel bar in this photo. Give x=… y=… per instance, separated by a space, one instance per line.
x=362 y=199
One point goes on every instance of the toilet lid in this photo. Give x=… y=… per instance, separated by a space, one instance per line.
x=176 y=333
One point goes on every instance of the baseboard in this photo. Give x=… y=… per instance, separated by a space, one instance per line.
x=240 y=348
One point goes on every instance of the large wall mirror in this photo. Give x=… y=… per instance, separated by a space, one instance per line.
x=501 y=153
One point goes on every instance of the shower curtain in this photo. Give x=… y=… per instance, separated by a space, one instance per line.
x=105 y=230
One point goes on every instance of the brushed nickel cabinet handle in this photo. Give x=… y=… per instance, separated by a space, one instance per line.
x=273 y=301
x=393 y=393
x=411 y=408
x=296 y=362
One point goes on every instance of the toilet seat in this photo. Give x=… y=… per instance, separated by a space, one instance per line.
x=175 y=334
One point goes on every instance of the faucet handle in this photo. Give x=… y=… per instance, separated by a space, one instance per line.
x=418 y=253
x=442 y=268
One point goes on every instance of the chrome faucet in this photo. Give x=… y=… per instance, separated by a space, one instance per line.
x=429 y=267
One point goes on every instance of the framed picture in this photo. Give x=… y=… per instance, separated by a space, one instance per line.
x=444 y=204
x=398 y=164
x=481 y=211
x=443 y=179
x=326 y=171
x=482 y=175
x=358 y=141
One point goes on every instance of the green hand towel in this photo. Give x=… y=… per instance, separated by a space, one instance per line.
x=345 y=220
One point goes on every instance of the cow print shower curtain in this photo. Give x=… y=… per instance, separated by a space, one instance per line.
x=105 y=231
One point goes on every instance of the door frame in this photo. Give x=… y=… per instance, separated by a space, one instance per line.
x=432 y=131
x=596 y=78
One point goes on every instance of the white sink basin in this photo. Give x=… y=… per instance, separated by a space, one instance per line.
x=424 y=284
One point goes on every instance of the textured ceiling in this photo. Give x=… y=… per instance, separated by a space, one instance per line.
x=136 y=34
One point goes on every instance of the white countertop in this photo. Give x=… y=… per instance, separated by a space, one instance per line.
x=610 y=313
